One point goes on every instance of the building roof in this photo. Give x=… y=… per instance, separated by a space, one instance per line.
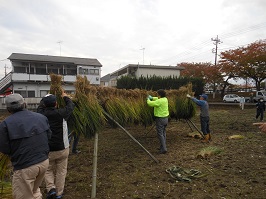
x=105 y=78
x=124 y=69
x=57 y=59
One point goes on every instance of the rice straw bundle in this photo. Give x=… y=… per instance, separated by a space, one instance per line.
x=4 y=161
x=56 y=89
x=87 y=116
x=185 y=108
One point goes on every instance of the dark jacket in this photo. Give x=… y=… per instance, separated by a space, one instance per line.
x=24 y=137
x=260 y=106
x=58 y=123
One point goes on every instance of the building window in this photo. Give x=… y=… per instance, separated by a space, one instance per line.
x=26 y=93
x=43 y=93
x=71 y=71
x=31 y=93
x=83 y=71
x=41 y=71
x=19 y=69
x=94 y=71
x=22 y=93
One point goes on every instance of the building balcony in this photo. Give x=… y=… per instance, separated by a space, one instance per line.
x=23 y=77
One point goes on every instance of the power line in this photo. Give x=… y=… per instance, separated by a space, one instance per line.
x=224 y=36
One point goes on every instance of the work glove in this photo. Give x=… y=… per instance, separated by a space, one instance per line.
x=188 y=96
x=149 y=97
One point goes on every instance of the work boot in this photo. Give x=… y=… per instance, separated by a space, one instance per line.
x=207 y=138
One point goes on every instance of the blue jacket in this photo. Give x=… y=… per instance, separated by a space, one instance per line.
x=24 y=137
x=204 y=107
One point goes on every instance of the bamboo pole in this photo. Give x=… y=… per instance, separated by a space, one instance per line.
x=196 y=128
x=189 y=125
x=131 y=137
x=150 y=129
x=94 y=172
x=258 y=123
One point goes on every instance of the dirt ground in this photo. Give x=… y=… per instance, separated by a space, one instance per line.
x=125 y=170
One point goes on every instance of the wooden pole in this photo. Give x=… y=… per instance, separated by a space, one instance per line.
x=131 y=137
x=94 y=165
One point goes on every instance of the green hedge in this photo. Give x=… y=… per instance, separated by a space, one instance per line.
x=156 y=82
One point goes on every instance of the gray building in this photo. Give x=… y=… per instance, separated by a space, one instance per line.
x=30 y=73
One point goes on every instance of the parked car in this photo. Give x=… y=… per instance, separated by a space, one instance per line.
x=231 y=98
x=255 y=98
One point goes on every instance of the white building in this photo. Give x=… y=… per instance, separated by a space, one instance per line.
x=136 y=70
x=30 y=73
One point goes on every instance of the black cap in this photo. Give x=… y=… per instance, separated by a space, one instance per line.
x=49 y=100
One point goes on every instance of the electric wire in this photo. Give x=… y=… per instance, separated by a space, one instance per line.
x=203 y=44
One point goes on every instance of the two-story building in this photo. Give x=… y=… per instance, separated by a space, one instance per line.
x=30 y=73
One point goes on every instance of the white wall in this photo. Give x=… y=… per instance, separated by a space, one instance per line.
x=157 y=72
x=38 y=87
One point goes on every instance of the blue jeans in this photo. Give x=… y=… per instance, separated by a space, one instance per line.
x=205 y=126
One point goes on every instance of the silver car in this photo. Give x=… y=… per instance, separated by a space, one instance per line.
x=231 y=98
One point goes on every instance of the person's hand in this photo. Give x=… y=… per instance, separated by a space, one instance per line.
x=262 y=127
x=63 y=93
x=188 y=96
x=149 y=97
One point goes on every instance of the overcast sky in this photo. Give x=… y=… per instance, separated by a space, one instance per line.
x=121 y=32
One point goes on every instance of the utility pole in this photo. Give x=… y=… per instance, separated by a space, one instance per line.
x=5 y=69
x=215 y=50
x=143 y=54
x=59 y=42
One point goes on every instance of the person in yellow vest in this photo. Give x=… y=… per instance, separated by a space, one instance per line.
x=161 y=114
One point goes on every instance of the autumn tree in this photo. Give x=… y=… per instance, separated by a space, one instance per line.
x=205 y=70
x=228 y=72
x=246 y=62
